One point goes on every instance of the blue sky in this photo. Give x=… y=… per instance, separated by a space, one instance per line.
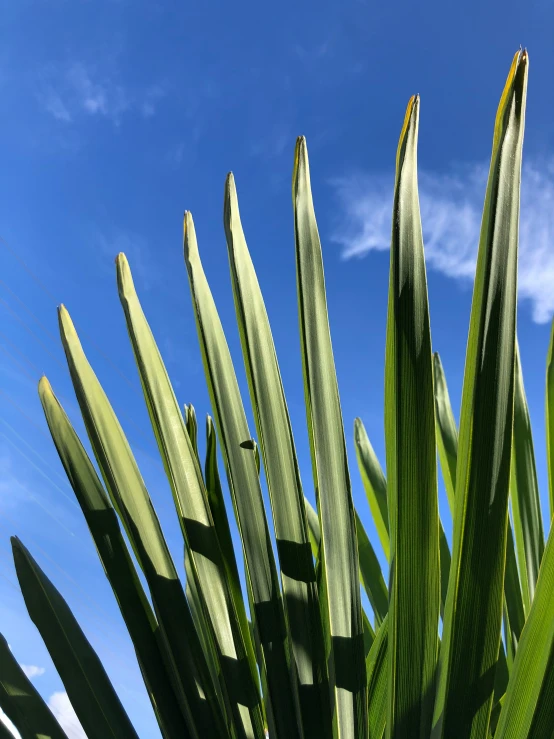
x=118 y=116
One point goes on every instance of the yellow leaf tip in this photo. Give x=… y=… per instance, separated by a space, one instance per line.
x=301 y=146
x=44 y=384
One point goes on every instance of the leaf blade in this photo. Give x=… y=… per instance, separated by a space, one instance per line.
x=189 y=670
x=339 y=559
x=244 y=484
x=474 y=602
x=90 y=691
x=528 y=706
x=374 y=483
x=205 y=558
x=524 y=493
x=118 y=566
x=22 y=703
x=414 y=590
x=282 y=475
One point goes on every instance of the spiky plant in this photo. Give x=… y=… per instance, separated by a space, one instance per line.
x=301 y=658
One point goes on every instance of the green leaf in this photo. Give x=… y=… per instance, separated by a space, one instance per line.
x=221 y=523
x=374 y=482
x=246 y=494
x=447 y=442
x=377 y=682
x=88 y=687
x=116 y=560
x=550 y=419
x=22 y=703
x=371 y=575
x=206 y=561
x=524 y=494
x=414 y=590
x=282 y=476
x=189 y=670
x=203 y=625
x=471 y=633
x=528 y=707
x=192 y=428
x=339 y=553
x=447 y=432
x=313 y=528
x=371 y=470
x=369 y=633
x=495 y=714
x=514 y=602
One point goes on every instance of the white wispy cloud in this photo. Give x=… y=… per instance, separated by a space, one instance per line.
x=62 y=709
x=451 y=205
x=54 y=105
x=32 y=671
x=80 y=89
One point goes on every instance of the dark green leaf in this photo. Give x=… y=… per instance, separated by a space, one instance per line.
x=414 y=589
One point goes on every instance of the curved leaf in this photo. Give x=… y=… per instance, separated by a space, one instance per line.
x=239 y=456
x=206 y=561
x=87 y=685
x=550 y=419
x=524 y=494
x=414 y=589
x=528 y=707
x=282 y=476
x=377 y=682
x=189 y=670
x=447 y=431
x=22 y=703
x=116 y=560
x=339 y=561
x=374 y=482
x=471 y=634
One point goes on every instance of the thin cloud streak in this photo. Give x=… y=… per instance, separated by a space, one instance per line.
x=451 y=205
x=80 y=90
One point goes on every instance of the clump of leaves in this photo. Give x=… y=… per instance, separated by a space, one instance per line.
x=298 y=656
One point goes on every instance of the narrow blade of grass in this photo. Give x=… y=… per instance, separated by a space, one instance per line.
x=22 y=703
x=282 y=476
x=447 y=442
x=238 y=453
x=447 y=431
x=221 y=523
x=374 y=483
x=371 y=575
x=116 y=560
x=339 y=553
x=528 y=707
x=550 y=420
x=414 y=590
x=377 y=682
x=524 y=494
x=471 y=634
x=87 y=685
x=189 y=670
x=206 y=562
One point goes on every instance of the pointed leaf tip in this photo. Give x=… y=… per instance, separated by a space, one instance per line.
x=189 y=236
x=44 y=385
x=125 y=283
